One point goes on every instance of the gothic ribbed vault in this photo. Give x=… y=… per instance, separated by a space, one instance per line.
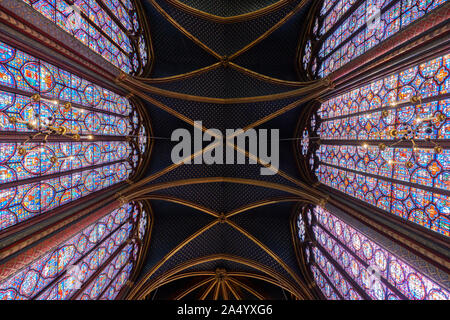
x=222 y=65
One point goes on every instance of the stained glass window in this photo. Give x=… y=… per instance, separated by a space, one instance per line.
x=110 y=28
x=350 y=28
x=40 y=173
x=92 y=264
x=346 y=264
x=384 y=144
x=333 y=11
x=305 y=142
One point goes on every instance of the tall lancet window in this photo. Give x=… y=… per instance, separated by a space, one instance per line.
x=91 y=260
x=349 y=264
x=345 y=29
x=62 y=137
x=110 y=28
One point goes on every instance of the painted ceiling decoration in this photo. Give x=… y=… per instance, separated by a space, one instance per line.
x=92 y=207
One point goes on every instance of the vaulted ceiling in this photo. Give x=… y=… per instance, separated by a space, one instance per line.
x=223 y=231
